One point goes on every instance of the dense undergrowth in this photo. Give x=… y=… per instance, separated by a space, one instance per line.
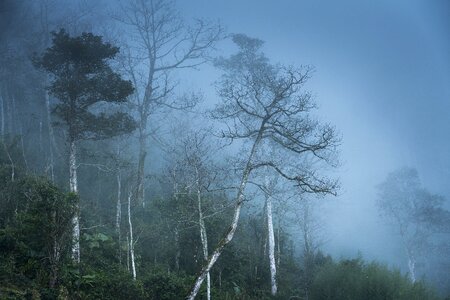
x=35 y=221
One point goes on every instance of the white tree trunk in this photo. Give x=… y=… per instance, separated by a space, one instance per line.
x=232 y=229
x=278 y=243
x=412 y=267
x=410 y=256
x=13 y=168
x=178 y=251
x=228 y=237
x=22 y=144
x=73 y=185
x=13 y=115
x=128 y=253
x=131 y=241
x=203 y=235
x=119 y=214
x=118 y=203
x=270 y=232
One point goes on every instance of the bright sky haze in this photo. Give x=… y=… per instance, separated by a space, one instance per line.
x=382 y=77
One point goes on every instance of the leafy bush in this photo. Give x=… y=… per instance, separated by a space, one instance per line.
x=162 y=285
x=353 y=279
x=113 y=284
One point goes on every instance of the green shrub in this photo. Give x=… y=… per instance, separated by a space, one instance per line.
x=353 y=279
x=162 y=285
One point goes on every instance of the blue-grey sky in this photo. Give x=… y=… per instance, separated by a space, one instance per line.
x=382 y=77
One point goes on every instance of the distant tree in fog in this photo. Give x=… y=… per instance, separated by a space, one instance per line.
x=81 y=81
x=413 y=211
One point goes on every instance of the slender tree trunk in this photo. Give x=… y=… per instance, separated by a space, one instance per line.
x=177 y=250
x=232 y=229
x=411 y=266
x=22 y=144
x=11 y=161
x=140 y=180
x=51 y=136
x=264 y=235
x=13 y=115
x=73 y=185
x=128 y=253
x=410 y=256
x=131 y=241
x=118 y=203
x=41 y=148
x=54 y=256
x=119 y=213
x=8 y=111
x=270 y=232
x=203 y=235
x=278 y=243
x=144 y=115
x=308 y=252
x=2 y=115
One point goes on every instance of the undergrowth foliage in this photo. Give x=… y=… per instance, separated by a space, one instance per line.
x=36 y=216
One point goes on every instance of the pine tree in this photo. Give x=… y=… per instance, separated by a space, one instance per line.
x=82 y=80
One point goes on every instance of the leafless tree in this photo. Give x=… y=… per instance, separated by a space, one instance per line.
x=200 y=177
x=266 y=106
x=160 y=43
x=413 y=211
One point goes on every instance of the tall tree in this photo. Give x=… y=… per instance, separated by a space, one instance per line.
x=266 y=106
x=160 y=44
x=82 y=81
x=413 y=211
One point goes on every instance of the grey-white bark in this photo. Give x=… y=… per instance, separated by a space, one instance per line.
x=270 y=232
x=178 y=250
x=412 y=268
x=232 y=229
x=119 y=213
x=11 y=161
x=118 y=203
x=410 y=256
x=131 y=240
x=22 y=144
x=278 y=243
x=73 y=186
x=203 y=235
x=264 y=101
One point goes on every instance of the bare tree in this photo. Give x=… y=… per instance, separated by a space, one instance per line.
x=159 y=45
x=265 y=105
x=198 y=175
x=413 y=211
x=197 y=157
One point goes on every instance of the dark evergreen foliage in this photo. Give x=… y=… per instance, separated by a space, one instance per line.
x=82 y=78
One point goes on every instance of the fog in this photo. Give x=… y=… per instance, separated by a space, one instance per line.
x=382 y=74
x=381 y=78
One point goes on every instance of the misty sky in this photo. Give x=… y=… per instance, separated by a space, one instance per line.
x=382 y=77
